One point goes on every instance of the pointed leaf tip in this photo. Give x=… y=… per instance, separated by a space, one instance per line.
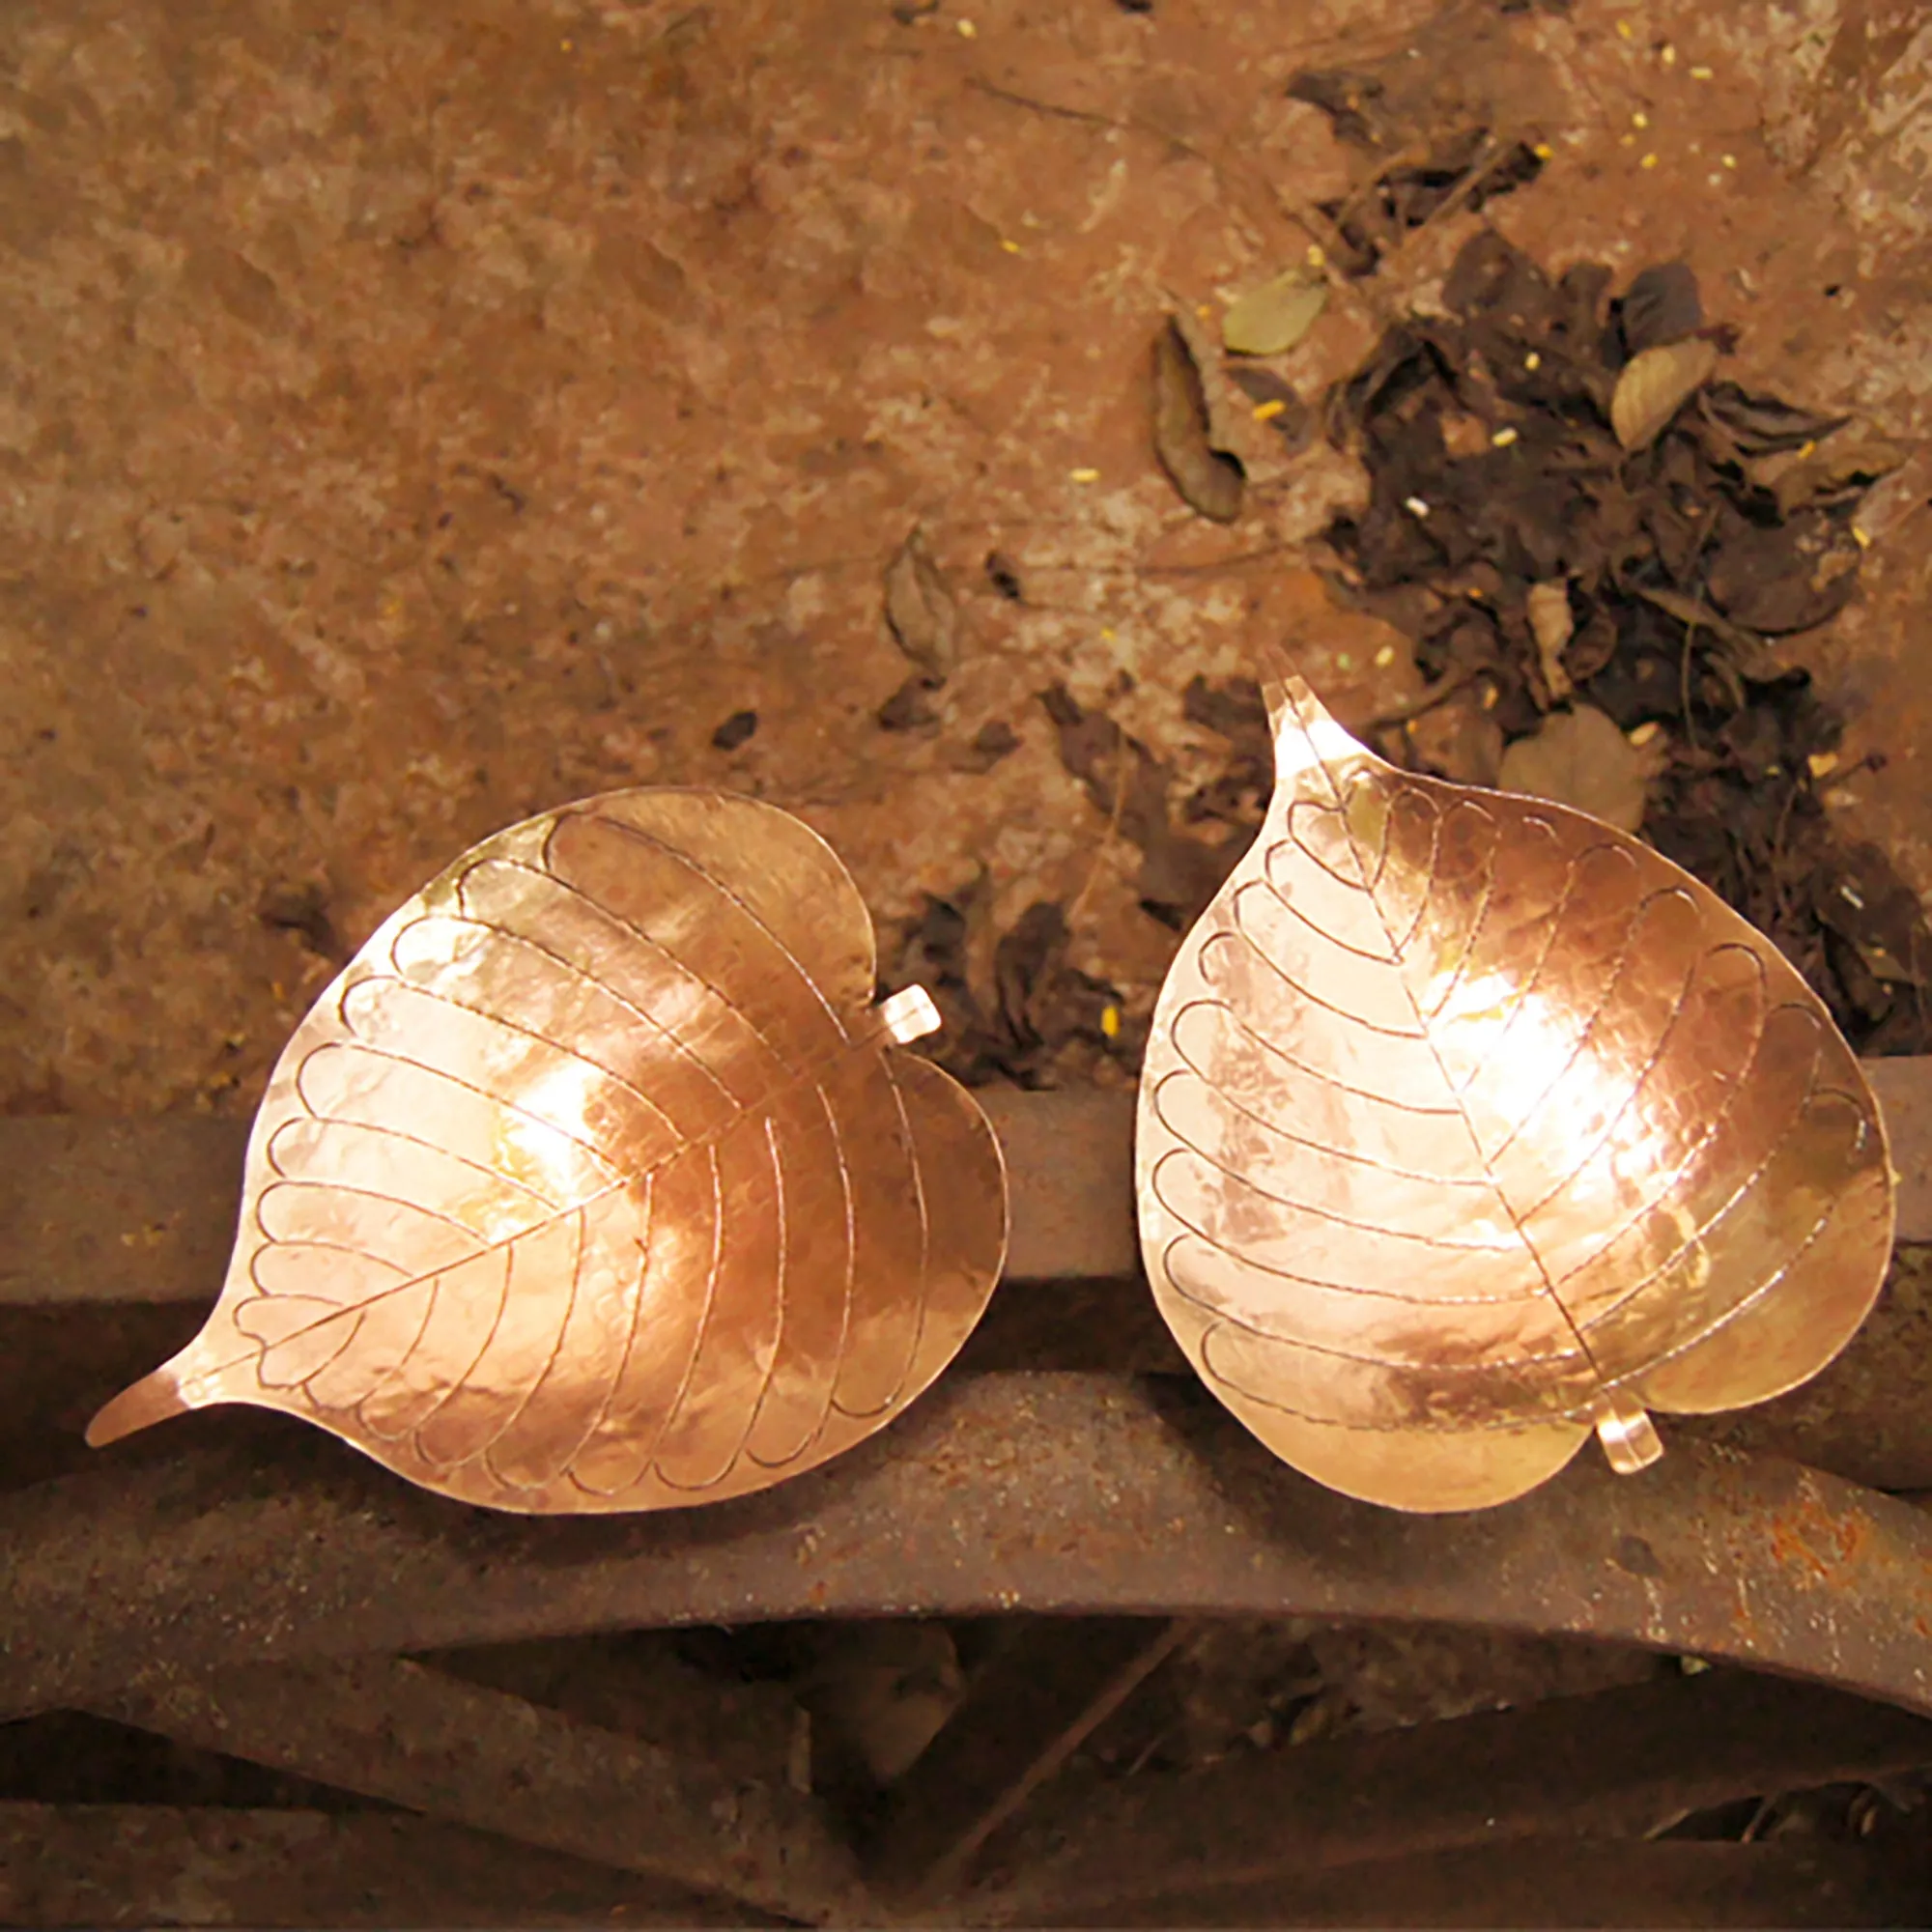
x=151 y=1400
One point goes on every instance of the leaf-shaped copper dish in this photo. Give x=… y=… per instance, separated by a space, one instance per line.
x=1468 y=1123
x=596 y=1182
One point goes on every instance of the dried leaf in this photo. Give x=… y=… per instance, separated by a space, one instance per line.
x=1469 y=1124
x=1580 y=758
x=1654 y=385
x=1884 y=506
x=1457 y=739
x=1270 y=319
x=1786 y=578
x=1758 y=425
x=992 y=742
x=1842 y=470
x=1551 y=623
x=909 y=708
x=1003 y=577
x=1129 y=785
x=1209 y=479
x=1868 y=904
x=1662 y=305
x=919 y=609
x=597 y=1183
x=1353 y=103
x=1752 y=658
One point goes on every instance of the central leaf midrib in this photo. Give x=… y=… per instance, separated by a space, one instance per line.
x=1530 y=1248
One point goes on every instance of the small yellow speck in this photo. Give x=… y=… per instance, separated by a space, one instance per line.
x=1268 y=410
x=1204 y=310
x=1385 y=657
x=1648 y=161
x=1491 y=696
x=1837 y=798
x=1502 y=439
x=565 y=45
x=1344 y=661
x=1011 y=247
x=1667 y=54
x=1476 y=591
x=1700 y=73
x=1415 y=506
x=967 y=30
x=1533 y=360
x=1640 y=735
x=1317 y=256
x=1822 y=762
x=1626 y=140
x=1862 y=537
x=1805 y=449
x=1729 y=160
x=1623 y=30
x=1110 y=1021
x=1640 y=119
x=1714 y=181
x=1543 y=150
x=1085 y=476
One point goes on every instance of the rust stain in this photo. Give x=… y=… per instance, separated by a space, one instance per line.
x=1824 y=1542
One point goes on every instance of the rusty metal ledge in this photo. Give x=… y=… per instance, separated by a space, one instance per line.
x=95 y=1211
x=997 y=1493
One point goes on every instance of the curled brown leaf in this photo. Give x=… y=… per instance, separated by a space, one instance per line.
x=1654 y=384
x=921 y=612
x=1580 y=758
x=1209 y=480
x=1551 y=623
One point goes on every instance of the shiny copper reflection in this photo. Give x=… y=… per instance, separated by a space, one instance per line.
x=597 y=1183
x=1469 y=1124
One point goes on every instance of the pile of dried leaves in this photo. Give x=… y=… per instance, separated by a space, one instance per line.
x=1596 y=543
x=1042 y=1022
x=1032 y=1019
x=1596 y=547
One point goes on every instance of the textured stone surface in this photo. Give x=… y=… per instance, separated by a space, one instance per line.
x=415 y=416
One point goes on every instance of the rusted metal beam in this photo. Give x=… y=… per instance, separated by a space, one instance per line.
x=117 y=1210
x=996 y=1493
x=1071 y=1169
x=112 y=1236
x=137 y=1866
x=1616 y=1761
x=144 y=1211
x=1026 y=1711
x=162 y=1865
x=392 y=1729
x=634 y=1681
x=1561 y=1881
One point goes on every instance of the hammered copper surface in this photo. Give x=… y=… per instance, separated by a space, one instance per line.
x=596 y=1182
x=1469 y=1123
